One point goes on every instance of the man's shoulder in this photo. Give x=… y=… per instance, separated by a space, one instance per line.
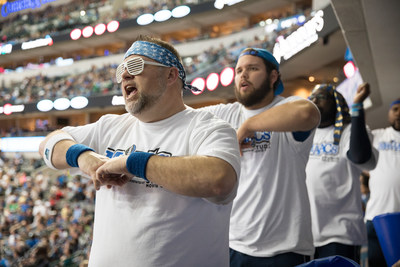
x=381 y=131
x=224 y=111
x=203 y=114
x=116 y=117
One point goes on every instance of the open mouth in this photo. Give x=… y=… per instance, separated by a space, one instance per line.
x=130 y=90
x=244 y=85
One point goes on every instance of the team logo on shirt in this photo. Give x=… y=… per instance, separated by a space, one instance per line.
x=260 y=142
x=113 y=153
x=326 y=151
x=116 y=152
x=389 y=146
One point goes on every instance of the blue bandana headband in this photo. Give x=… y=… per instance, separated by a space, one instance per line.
x=395 y=103
x=264 y=54
x=161 y=55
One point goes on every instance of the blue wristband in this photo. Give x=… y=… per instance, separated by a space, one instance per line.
x=356 y=108
x=137 y=163
x=74 y=152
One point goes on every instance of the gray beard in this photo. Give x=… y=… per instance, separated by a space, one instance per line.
x=143 y=103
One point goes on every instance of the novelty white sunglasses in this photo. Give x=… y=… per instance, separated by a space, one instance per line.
x=134 y=66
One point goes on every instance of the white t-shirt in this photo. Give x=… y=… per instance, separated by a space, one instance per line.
x=333 y=183
x=143 y=224
x=384 y=182
x=271 y=212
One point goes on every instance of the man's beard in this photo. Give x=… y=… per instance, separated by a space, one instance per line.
x=145 y=101
x=254 y=97
x=396 y=125
x=328 y=118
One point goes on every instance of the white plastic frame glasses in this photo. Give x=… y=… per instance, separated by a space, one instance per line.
x=134 y=66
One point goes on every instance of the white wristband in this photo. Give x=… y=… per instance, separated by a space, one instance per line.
x=48 y=149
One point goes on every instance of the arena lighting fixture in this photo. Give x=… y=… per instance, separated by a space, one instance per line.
x=219 y=4
x=61 y=103
x=79 y=102
x=99 y=29
x=200 y=84
x=227 y=76
x=212 y=81
x=112 y=26
x=75 y=34
x=7 y=109
x=180 y=11
x=21 y=144
x=349 y=69
x=87 y=31
x=45 y=105
x=162 y=15
x=117 y=100
x=145 y=19
x=301 y=19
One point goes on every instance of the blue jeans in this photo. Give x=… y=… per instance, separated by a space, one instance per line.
x=333 y=249
x=375 y=254
x=289 y=259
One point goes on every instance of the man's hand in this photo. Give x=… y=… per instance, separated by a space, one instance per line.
x=89 y=162
x=113 y=172
x=362 y=93
x=244 y=136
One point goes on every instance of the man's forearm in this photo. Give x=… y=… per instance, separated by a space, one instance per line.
x=300 y=115
x=197 y=176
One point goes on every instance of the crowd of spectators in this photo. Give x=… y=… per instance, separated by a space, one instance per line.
x=60 y=19
x=46 y=217
x=100 y=80
x=97 y=81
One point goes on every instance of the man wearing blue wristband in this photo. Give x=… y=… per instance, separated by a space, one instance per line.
x=341 y=150
x=166 y=174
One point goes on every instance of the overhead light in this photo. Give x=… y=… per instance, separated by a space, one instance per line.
x=79 y=102
x=100 y=29
x=61 y=103
x=75 y=34
x=227 y=76
x=349 y=69
x=87 y=31
x=112 y=26
x=311 y=79
x=180 y=11
x=45 y=105
x=162 y=15
x=145 y=19
x=212 y=81
x=200 y=84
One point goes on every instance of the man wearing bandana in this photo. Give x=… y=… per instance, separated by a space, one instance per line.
x=384 y=181
x=165 y=174
x=340 y=151
x=270 y=221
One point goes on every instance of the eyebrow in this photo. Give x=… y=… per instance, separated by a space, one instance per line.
x=250 y=65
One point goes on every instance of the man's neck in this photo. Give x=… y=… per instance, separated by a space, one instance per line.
x=160 y=114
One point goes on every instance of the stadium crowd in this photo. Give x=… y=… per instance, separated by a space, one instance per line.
x=45 y=218
x=60 y=19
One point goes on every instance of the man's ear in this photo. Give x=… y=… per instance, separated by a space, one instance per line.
x=173 y=75
x=273 y=77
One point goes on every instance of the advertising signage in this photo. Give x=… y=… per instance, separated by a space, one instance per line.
x=16 y=6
